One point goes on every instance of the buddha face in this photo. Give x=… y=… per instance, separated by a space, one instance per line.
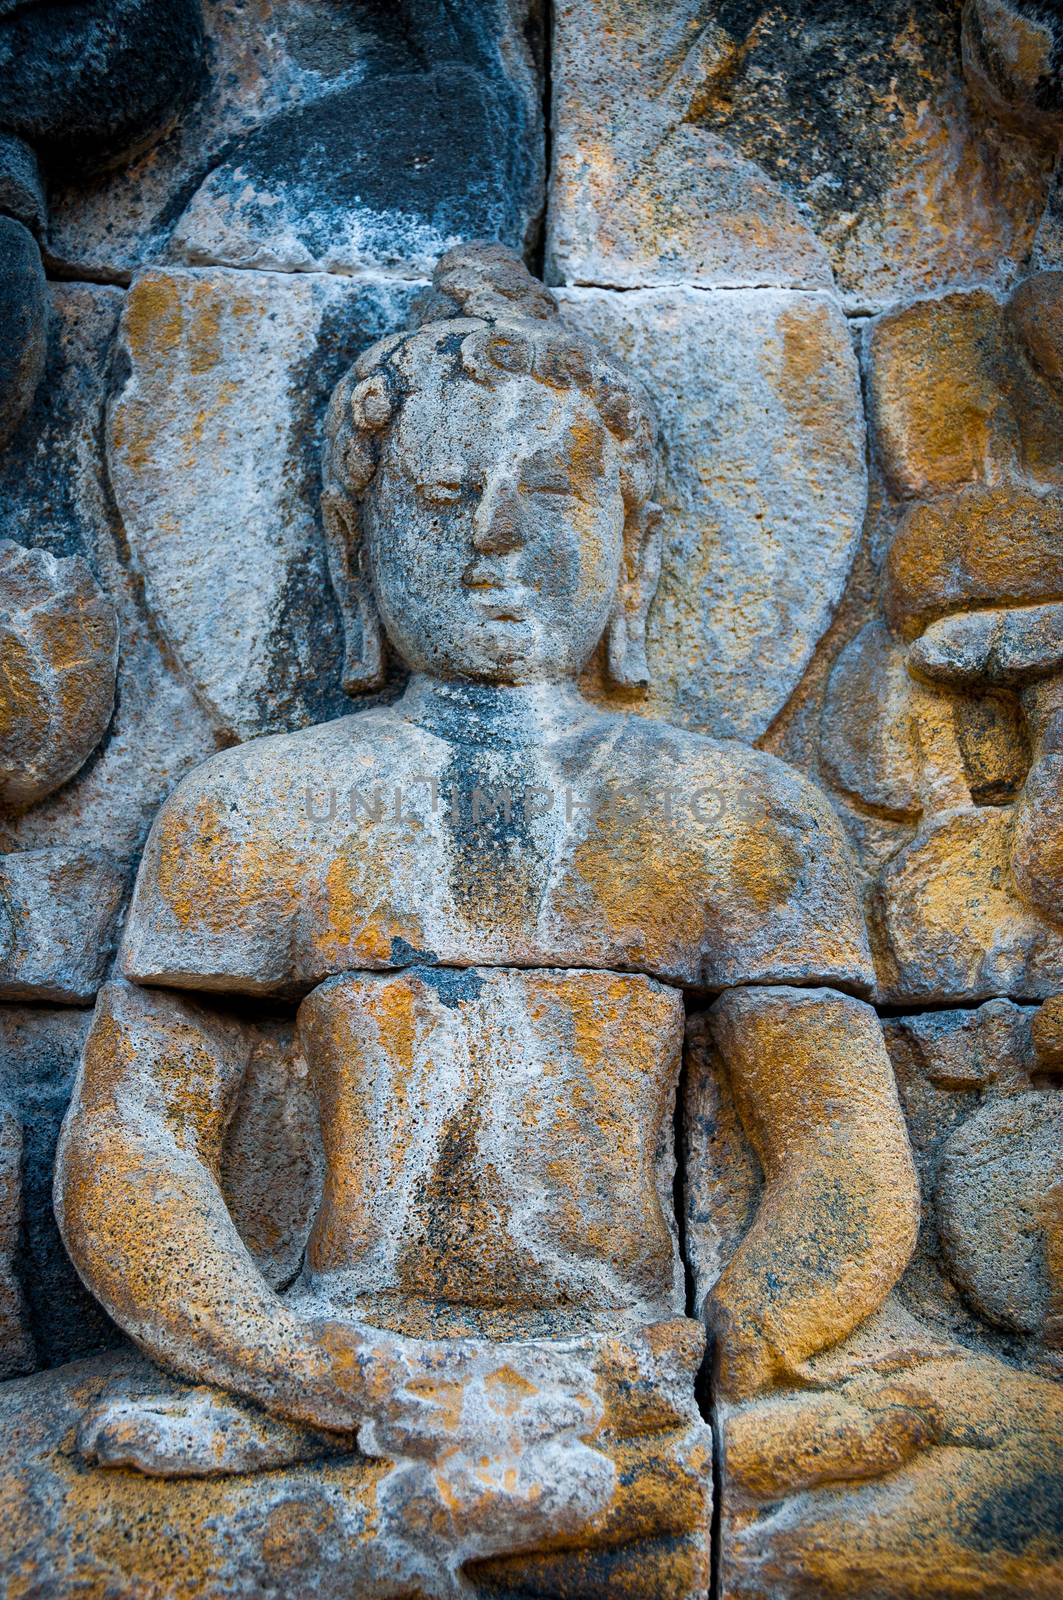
x=494 y=530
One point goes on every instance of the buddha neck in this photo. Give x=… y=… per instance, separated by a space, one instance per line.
x=501 y=716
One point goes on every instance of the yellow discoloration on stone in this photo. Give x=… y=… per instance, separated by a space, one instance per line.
x=941 y=415
x=983 y=547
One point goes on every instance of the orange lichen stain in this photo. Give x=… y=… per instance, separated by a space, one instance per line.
x=207 y=417
x=447 y=1398
x=109 y=1059
x=985 y=547
x=644 y=885
x=936 y=386
x=806 y=378
x=203 y=341
x=766 y=865
x=358 y=925
x=333 y=1041
x=211 y=879
x=394 y=1010
x=23 y=699
x=150 y=1536
x=507 y=1390
x=154 y=318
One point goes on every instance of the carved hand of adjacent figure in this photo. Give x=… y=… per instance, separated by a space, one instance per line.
x=789 y=1442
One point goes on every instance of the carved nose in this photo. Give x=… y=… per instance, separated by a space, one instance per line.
x=497 y=524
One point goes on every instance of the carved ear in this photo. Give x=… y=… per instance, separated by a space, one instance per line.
x=626 y=633
x=363 y=666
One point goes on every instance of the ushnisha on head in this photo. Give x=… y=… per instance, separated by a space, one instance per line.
x=487 y=490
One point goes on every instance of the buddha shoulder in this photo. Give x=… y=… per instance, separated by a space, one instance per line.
x=220 y=885
x=781 y=893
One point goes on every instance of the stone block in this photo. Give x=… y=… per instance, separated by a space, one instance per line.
x=949 y=923
x=642 y=191
x=61 y=909
x=766 y=143
x=311 y=191
x=940 y=415
x=762 y=491
x=981 y=547
x=214 y=445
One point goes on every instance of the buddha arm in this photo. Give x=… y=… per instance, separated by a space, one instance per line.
x=142 y=1214
x=839 y=1211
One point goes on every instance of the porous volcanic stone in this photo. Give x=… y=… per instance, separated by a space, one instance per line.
x=765 y=143
x=214 y=450
x=59 y=652
x=62 y=909
x=762 y=490
x=86 y=82
x=24 y=313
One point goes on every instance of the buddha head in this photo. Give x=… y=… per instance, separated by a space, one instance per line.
x=486 y=490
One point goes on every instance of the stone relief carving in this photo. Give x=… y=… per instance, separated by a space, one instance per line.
x=524 y=1145
x=491 y=1022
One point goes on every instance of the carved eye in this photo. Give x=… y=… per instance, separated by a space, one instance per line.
x=444 y=491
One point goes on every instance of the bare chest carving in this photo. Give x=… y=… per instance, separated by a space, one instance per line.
x=495 y=1138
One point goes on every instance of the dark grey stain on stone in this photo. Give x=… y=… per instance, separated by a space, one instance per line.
x=86 y=83
x=23 y=317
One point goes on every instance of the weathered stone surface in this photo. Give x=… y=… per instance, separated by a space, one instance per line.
x=878 y=1463
x=1048 y=1034
x=271 y=1162
x=849 y=136
x=308 y=83
x=1011 y=59
x=897 y=746
x=950 y=921
x=310 y=192
x=555 y=1189
x=762 y=492
x=940 y=415
x=650 y=195
x=942 y=1522
x=21 y=184
x=1008 y=648
x=489 y=1290
x=869 y=728
x=23 y=307
x=55 y=495
x=783 y=1140
x=39 y=1050
x=17 y=1354
x=998 y=1210
x=59 y=914
x=213 y=445
x=559 y=1453
x=86 y=83
x=981 y=547
x=58 y=657
x=965 y=391
x=989 y=1266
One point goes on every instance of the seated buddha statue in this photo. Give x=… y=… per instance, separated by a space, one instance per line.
x=484 y=900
